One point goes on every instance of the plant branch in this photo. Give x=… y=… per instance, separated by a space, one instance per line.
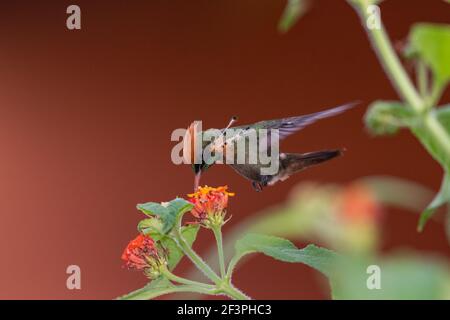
x=218 y=235
x=400 y=79
x=143 y=294
x=196 y=259
x=233 y=292
x=169 y=275
x=422 y=78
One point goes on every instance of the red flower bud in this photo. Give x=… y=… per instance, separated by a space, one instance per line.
x=142 y=254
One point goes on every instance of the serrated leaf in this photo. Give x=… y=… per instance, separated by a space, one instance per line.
x=152 y=290
x=387 y=117
x=442 y=197
x=281 y=249
x=168 y=213
x=431 y=42
x=293 y=11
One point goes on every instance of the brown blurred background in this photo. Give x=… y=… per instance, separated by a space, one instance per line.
x=86 y=118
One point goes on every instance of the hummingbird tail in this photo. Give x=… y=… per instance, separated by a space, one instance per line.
x=297 y=161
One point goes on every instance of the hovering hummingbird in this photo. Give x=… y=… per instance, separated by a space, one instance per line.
x=288 y=163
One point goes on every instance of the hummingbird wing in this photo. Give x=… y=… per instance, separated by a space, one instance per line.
x=285 y=126
x=291 y=125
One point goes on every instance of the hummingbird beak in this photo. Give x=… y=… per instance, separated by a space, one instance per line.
x=197 y=180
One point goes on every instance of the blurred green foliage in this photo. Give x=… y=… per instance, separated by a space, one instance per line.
x=319 y=213
x=429 y=48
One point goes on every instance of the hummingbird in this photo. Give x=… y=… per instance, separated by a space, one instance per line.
x=288 y=163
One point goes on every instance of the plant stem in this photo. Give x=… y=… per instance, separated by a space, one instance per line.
x=222 y=284
x=231 y=266
x=233 y=292
x=169 y=275
x=390 y=61
x=143 y=294
x=435 y=94
x=218 y=235
x=196 y=259
x=400 y=78
x=422 y=78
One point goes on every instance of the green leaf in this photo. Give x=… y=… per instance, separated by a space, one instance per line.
x=431 y=145
x=153 y=209
x=175 y=254
x=431 y=42
x=151 y=227
x=387 y=117
x=442 y=115
x=281 y=249
x=152 y=290
x=168 y=212
x=293 y=11
x=442 y=197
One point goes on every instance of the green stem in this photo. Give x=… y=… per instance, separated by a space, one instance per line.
x=400 y=78
x=231 y=266
x=390 y=60
x=422 y=78
x=233 y=292
x=218 y=235
x=169 y=275
x=196 y=259
x=143 y=294
x=436 y=93
x=222 y=285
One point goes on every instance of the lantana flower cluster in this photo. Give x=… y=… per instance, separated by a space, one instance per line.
x=142 y=253
x=145 y=254
x=210 y=205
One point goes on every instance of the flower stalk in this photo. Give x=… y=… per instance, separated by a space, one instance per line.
x=218 y=235
x=223 y=283
x=208 y=206
x=196 y=259
x=402 y=82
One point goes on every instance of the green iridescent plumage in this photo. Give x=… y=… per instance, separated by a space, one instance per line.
x=288 y=163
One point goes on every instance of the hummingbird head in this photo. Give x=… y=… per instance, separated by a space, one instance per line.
x=190 y=139
x=198 y=170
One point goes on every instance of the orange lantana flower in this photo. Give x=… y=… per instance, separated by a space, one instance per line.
x=210 y=205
